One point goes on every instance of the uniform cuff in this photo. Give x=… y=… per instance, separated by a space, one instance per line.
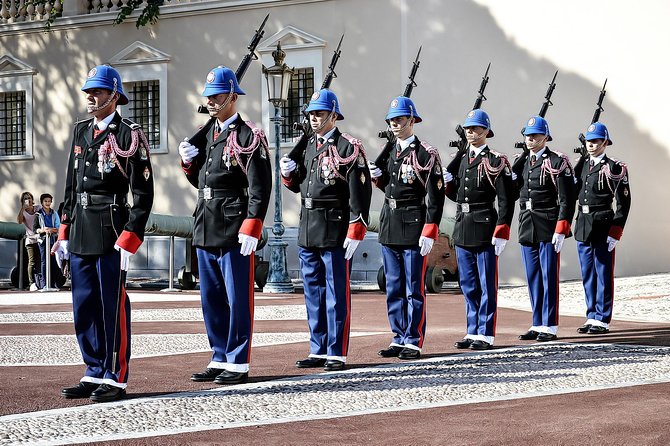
x=64 y=232
x=562 y=227
x=129 y=241
x=430 y=230
x=501 y=231
x=449 y=187
x=252 y=227
x=188 y=168
x=288 y=182
x=377 y=182
x=616 y=232
x=356 y=231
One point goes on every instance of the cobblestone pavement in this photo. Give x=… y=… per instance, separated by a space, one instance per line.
x=522 y=372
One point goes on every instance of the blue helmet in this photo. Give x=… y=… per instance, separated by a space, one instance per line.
x=324 y=99
x=598 y=130
x=107 y=78
x=221 y=80
x=478 y=118
x=403 y=106
x=537 y=125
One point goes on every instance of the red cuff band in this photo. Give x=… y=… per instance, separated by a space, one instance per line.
x=449 y=187
x=501 y=231
x=187 y=168
x=430 y=230
x=356 y=231
x=616 y=232
x=64 y=232
x=377 y=183
x=129 y=241
x=252 y=227
x=288 y=182
x=562 y=227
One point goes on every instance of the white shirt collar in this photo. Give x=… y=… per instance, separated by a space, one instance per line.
x=404 y=143
x=102 y=125
x=538 y=155
x=327 y=135
x=478 y=150
x=597 y=159
x=227 y=122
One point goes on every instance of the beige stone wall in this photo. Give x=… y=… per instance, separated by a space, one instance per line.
x=459 y=38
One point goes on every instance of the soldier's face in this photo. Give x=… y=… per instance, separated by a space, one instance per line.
x=536 y=141
x=321 y=121
x=476 y=135
x=100 y=102
x=402 y=126
x=221 y=105
x=596 y=147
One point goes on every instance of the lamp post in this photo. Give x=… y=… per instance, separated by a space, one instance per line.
x=278 y=79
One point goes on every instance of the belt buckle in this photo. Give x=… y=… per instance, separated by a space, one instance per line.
x=392 y=203
x=83 y=199
x=309 y=204
x=529 y=205
x=585 y=209
x=465 y=208
x=207 y=193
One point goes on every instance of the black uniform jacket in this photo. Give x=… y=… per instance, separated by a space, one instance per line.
x=545 y=207
x=471 y=187
x=596 y=219
x=408 y=203
x=329 y=203
x=95 y=212
x=237 y=198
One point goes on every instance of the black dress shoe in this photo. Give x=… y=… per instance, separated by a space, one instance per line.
x=333 y=365
x=544 y=337
x=530 y=335
x=228 y=377
x=391 y=352
x=208 y=375
x=409 y=353
x=584 y=328
x=106 y=393
x=480 y=345
x=597 y=329
x=463 y=343
x=308 y=363
x=81 y=390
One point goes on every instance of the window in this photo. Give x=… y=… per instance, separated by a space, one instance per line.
x=13 y=123
x=300 y=91
x=144 y=108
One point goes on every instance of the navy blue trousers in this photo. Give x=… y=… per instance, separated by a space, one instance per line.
x=405 y=271
x=478 y=274
x=325 y=275
x=227 y=296
x=95 y=293
x=597 y=265
x=542 y=264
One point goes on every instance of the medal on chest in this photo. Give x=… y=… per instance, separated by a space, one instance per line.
x=229 y=158
x=328 y=169
x=407 y=174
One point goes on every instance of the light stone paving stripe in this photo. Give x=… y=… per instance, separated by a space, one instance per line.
x=65 y=297
x=522 y=372
x=50 y=350
x=261 y=313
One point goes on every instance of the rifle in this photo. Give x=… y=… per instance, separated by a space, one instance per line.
x=462 y=142
x=543 y=109
x=596 y=116
x=200 y=138
x=304 y=123
x=388 y=134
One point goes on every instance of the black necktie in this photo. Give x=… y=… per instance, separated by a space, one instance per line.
x=321 y=141
x=472 y=155
x=217 y=128
x=533 y=158
x=591 y=164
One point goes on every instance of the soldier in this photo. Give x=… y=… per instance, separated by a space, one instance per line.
x=329 y=169
x=232 y=173
x=547 y=204
x=100 y=231
x=408 y=171
x=600 y=180
x=481 y=232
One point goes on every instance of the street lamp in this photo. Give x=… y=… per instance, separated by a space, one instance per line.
x=278 y=78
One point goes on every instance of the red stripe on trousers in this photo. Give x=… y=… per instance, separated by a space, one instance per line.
x=495 y=312
x=251 y=304
x=345 y=335
x=425 y=301
x=123 y=342
x=558 y=287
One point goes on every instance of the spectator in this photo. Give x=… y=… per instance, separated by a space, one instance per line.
x=26 y=217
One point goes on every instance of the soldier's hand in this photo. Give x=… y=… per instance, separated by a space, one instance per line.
x=499 y=245
x=286 y=166
x=248 y=244
x=426 y=245
x=125 y=257
x=350 y=246
x=447 y=176
x=187 y=151
x=375 y=172
x=557 y=241
x=611 y=243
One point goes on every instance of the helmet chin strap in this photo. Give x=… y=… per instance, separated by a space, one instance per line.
x=94 y=108
x=217 y=108
x=409 y=121
x=325 y=121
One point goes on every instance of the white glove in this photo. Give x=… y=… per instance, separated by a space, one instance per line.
x=125 y=257
x=514 y=176
x=499 y=244
x=248 y=244
x=60 y=250
x=426 y=245
x=286 y=166
x=350 y=246
x=557 y=241
x=187 y=151
x=375 y=172
x=447 y=176
x=611 y=243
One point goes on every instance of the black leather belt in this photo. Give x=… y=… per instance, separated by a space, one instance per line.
x=395 y=203
x=589 y=208
x=322 y=203
x=533 y=206
x=86 y=199
x=208 y=193
x=469 y=207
